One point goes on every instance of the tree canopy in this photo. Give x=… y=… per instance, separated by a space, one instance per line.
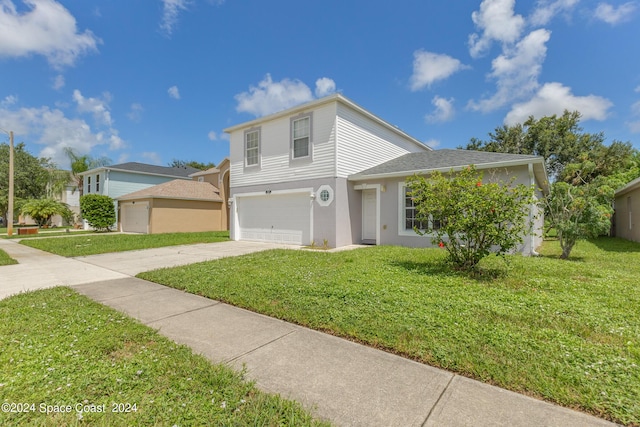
x=31 y=175
x=570 y=154
x=175 y=163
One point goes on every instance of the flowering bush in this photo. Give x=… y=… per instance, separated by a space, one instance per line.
x=471 y=218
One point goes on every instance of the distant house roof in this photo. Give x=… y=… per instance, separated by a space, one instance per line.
x=445 y=160
x=143 y=168
x=635 y=184
x=177 y=189
x=205 y=172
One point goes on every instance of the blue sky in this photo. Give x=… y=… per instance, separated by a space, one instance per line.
x=153 y=81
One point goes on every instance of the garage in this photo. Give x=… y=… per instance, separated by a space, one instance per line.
x=277 y=218
x=134 y=217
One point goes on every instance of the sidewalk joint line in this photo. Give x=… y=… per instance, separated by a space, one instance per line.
x=184 y=312
x=438 y=401
x=260 y=346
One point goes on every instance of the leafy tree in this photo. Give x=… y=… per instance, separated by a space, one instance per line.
x=30 y=175
x=175 y=163
x=81 y=164
x=41 y=210
x=563 y=144
x=99 y=211
x=579 y=212
x=471 y=218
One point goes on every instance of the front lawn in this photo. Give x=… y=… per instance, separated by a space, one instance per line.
x=563 y=331
x=100 y=243
x=62 y=351
x=5 y=259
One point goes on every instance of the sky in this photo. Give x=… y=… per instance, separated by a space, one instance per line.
x=157 y=80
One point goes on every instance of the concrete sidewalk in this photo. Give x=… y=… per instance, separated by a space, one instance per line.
x=344 y=382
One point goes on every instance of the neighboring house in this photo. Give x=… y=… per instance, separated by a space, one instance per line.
x=179 y=205
x=71 y=197
x=331 y=171
x=627 y=206
x=117 y=180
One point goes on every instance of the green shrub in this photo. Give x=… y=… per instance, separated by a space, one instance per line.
x=98 y=210
x=468 y=217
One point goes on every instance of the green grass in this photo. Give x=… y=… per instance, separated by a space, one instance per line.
x=47 y=233
x=60 y=348
x=100 y=243
x=563 y=331
x=5 y=259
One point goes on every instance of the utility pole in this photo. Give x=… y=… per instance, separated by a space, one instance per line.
x=10 y=208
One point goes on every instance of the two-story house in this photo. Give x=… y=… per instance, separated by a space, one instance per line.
x=331 y=171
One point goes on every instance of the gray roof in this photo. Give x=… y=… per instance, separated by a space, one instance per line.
x=182 y=172
x=444 y=159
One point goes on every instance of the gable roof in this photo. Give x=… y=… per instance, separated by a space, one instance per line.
x=145 y=169
x=445 y=160
x=336 y=97
x=177 y=189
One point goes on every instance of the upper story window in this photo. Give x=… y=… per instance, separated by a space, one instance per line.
x=88 y=184
x=301 y=137
x=97 y=183
x=252 y=148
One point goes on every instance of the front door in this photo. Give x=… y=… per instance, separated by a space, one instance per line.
x=369 y=216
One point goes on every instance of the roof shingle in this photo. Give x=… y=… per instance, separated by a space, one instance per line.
x=178 y=189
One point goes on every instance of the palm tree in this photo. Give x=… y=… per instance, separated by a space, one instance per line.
x=81 y=164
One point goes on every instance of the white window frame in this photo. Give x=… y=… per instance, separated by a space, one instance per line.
x=402 y=213
x=294 y=120
x=88 y=184
x=252 y=131
x=98 y=183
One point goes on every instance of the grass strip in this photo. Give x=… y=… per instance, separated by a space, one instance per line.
x=105 y=243
x=563 y=331
x=61 y=349
x=5 y=259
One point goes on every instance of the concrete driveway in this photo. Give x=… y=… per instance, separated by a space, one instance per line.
x=134 y=262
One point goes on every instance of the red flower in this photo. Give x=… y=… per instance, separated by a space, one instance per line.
x=479 y=184
x=441 y=244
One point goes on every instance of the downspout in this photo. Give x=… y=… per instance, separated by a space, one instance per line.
x=532 y=180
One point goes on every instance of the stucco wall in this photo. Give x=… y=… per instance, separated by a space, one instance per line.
x=628 y=215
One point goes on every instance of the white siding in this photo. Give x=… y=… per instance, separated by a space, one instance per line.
x=364 y=143
x=275 y=165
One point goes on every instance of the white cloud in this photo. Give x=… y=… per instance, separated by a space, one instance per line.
x=444 y=110
x=516 y=71
x=554 y=98
x=269 y=96
x=429 y=67
x=615 y=15
x=170 y=11
x=152 y=157
x=637 y=89
x=135 y=112
x=433 y=143
x=8 y=101
x=46 y=29
x=546 y=10
x=54 y=131
x=96 y=106
x=496 y=21
x=213 y=136
x=174 y=92
x=634 y=125
x=58 y=82
x=325 y=86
